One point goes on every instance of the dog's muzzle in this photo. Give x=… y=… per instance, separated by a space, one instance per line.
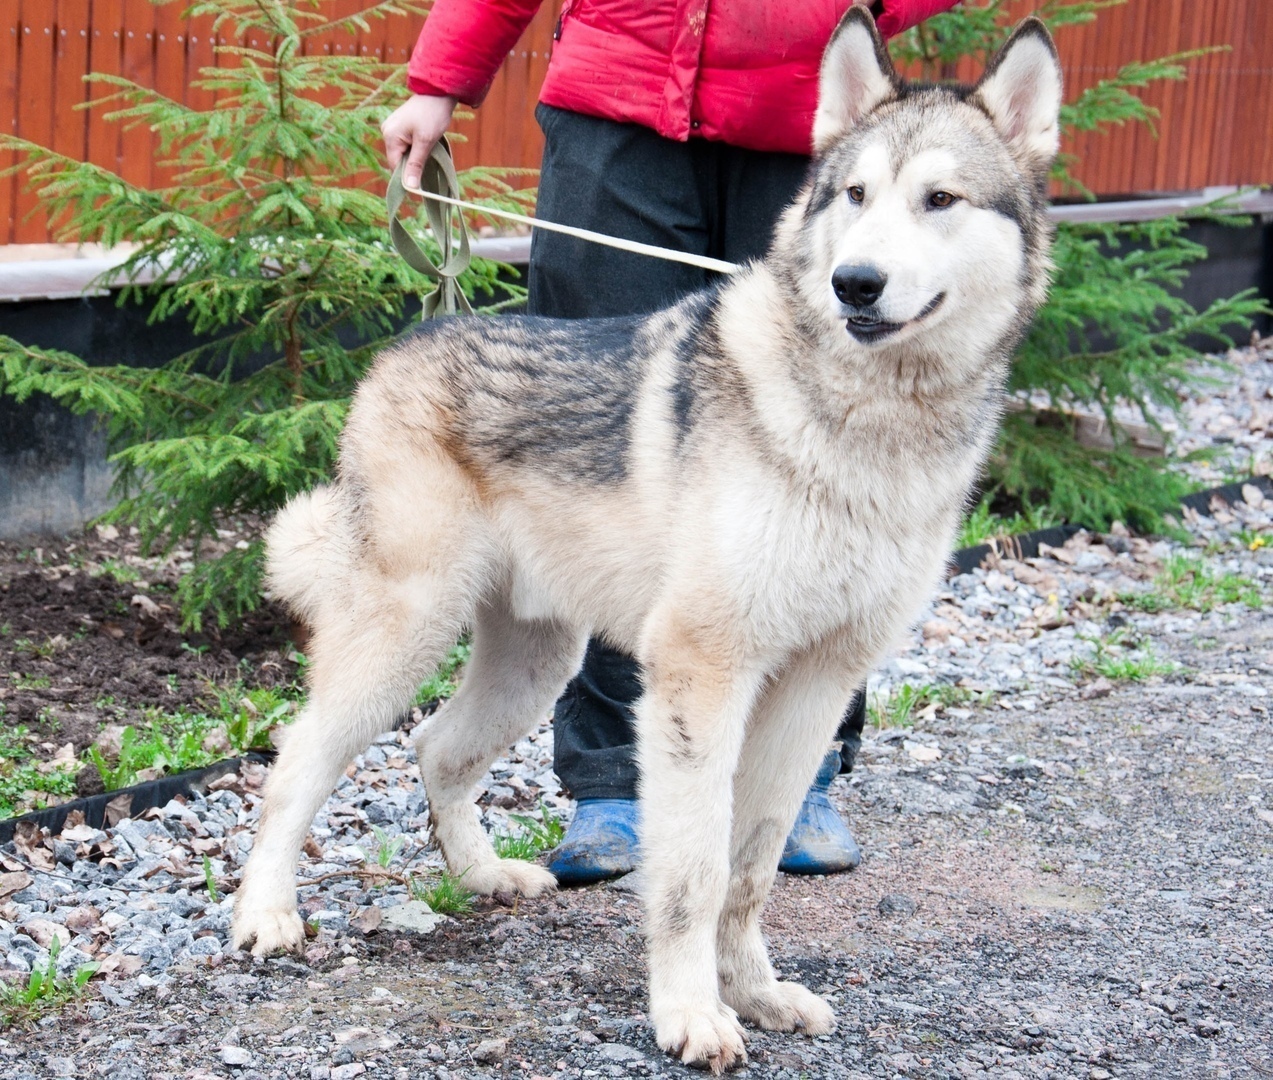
x=867 y=326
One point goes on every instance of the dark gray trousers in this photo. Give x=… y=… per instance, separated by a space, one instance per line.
x=702 y=197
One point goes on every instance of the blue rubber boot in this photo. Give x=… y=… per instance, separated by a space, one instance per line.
x=820 y=842
x=601 y=842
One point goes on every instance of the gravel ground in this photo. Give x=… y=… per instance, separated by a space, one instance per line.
x=1082 y=887
x=1067 y=872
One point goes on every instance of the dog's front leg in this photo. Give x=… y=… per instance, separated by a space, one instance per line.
x=690 y=722
x=789 y=732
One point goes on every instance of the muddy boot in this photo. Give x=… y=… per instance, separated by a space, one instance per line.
x=601 y=842
x=820 y=842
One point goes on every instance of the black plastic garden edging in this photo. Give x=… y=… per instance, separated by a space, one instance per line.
x=142 y=797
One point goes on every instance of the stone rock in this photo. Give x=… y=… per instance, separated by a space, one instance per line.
x=897 y=905
x=620 y=1053
x=490 y=1051
x=415 y=916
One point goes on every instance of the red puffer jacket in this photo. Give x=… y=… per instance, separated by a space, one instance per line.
x=744 y=72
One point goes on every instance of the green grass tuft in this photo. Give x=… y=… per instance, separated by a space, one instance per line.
x=1117 y=659
x=983 y=524
x=1189 y=583
x=444 y=894
x=532 y=838
x=898 y=709
x=44 y=990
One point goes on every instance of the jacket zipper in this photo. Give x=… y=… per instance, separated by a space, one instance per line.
x=561 y=17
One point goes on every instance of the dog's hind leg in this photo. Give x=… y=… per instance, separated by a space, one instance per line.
x=517 y=669
x=794 y=722
x=366 y=664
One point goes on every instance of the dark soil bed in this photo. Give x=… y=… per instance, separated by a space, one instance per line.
x=90 y=635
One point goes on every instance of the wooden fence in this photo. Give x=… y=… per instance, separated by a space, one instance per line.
x=1215 y=129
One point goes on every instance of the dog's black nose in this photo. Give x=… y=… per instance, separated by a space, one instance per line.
x=858 y=285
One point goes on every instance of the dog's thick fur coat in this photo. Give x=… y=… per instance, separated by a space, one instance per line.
x=753 y=492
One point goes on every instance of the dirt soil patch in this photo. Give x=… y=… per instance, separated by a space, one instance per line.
x=90 y=635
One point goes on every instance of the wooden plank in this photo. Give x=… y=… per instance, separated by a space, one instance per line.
x=35 y=108
x=1230 y=67
x=70 y=125
x=138 y=38
x=9 y=29
x=170 y=73
x=70 y=129
x=1205 y=77
x=105 y=56
x=1175 y=136
x=1257 y=104
x=199 y=56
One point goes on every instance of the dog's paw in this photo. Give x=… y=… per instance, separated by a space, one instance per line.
x=508 y=877
x=782 y=1006
x=267 y=930
x=704 y=1036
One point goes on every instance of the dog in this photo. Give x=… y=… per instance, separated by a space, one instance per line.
x=754 y=492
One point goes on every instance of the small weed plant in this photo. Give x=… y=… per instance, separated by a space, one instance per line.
x=899 y=708
x=29 y=682
x=24 y=786
x=117 y=571
x=170 y=743
x=44 y=650
x=178 y=741
x=210 y=882
x=983 y=524
x=1251 y=539
x=1186 y=582
x=249 y=715
x=1115 y=657
x=533 y=837
x=387 y=847
x=44 y=991
x=444 y=893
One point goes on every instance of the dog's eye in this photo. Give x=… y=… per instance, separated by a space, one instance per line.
x=939 y=200
x=856 y=193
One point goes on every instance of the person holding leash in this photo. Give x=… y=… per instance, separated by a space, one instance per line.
x=678 y=123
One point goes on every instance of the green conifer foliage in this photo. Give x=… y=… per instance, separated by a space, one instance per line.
x=270 y=236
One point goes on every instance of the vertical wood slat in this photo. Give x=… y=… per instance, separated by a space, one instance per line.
x=1215 y=128
x=139 y=66
x=35 y=106
x=8 y=124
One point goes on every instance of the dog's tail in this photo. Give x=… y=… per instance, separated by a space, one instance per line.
x=309 y=552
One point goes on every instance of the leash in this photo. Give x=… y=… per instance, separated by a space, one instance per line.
x=440 y=189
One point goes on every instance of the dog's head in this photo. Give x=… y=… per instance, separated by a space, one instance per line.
x=924 y=215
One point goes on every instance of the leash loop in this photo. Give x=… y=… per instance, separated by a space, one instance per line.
x=444 y=219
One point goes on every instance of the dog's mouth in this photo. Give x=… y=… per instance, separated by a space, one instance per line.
x=868 y=328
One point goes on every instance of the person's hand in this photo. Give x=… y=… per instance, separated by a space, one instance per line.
x=412 y=129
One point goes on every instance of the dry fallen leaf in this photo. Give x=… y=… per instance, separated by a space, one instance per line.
x=368 y=919
x=15 y=882
x=43 y=931
x=80 y=833
x=120 y=807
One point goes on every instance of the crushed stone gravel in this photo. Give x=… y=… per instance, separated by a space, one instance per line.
x=1064 y=875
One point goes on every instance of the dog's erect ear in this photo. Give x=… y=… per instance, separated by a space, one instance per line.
x=856 y=76
x=1021 y=92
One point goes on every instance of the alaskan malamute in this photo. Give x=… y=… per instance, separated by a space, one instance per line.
x=754 y=492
